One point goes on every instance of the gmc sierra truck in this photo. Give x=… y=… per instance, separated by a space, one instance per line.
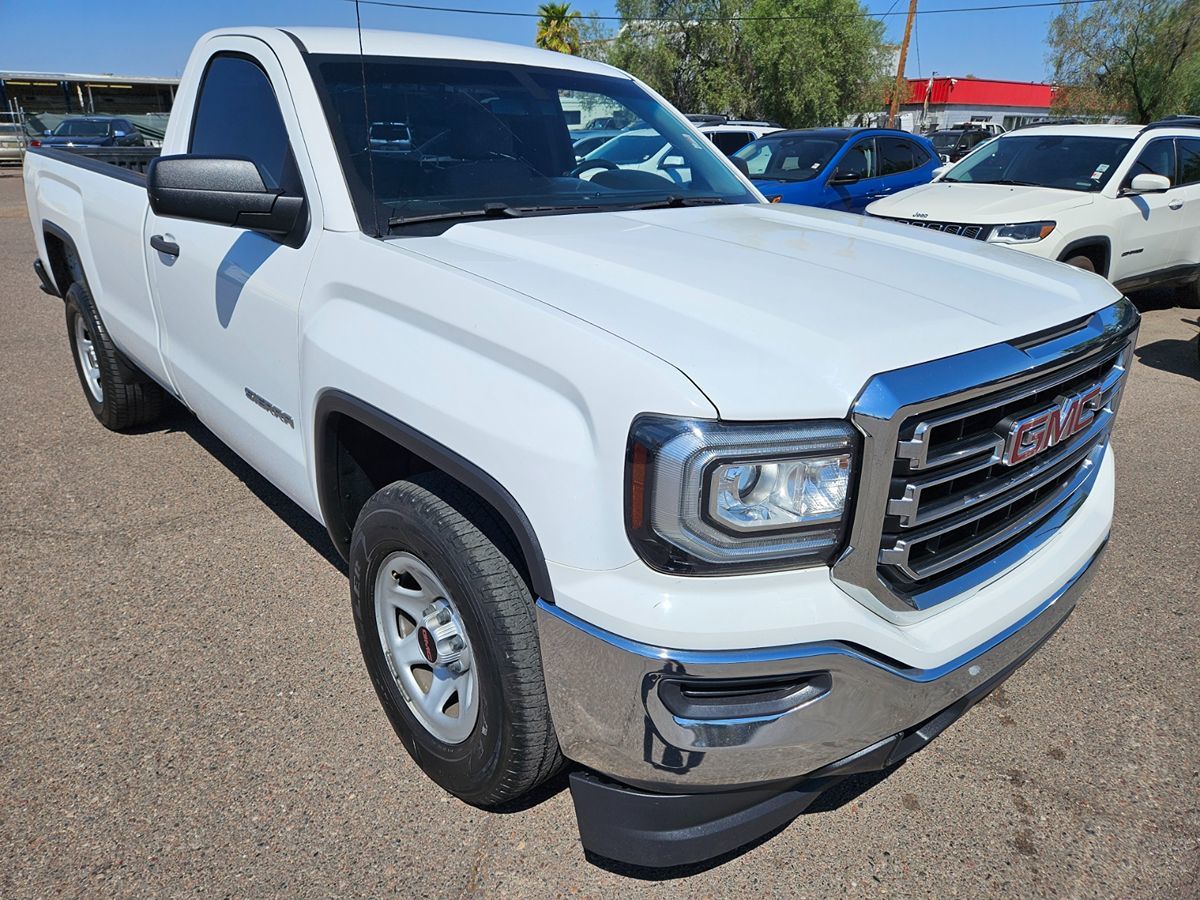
x=721 y=500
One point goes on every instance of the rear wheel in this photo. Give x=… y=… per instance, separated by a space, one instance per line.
x=446 y=626
x=120 y=395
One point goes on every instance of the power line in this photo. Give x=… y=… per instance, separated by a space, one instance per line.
x=696 y=19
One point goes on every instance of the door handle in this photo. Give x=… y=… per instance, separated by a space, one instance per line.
x=162 y=245
x=1175 y=204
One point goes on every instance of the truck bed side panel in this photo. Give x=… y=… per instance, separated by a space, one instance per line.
x=104 y=214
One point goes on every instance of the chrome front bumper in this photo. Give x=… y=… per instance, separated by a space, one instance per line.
x=607 y=703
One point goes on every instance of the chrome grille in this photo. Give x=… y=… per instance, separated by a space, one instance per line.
x=953 y=500
x=939 y=510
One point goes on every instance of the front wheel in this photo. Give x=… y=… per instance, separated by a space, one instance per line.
x=1081 y=262
x=447 y=630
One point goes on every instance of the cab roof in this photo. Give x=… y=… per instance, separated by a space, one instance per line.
x=417 y=45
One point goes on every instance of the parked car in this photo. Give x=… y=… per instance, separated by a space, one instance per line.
x=644 y=149
x=585 y=145
x=992 y=128
x=1119 y=200
x=837 y=168
x=952 y=144
x=723 y=500
x=91 y=131
x=12 y=142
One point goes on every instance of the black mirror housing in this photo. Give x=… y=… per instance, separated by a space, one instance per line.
x=221 y=191
x=741 y=165
x=846 y=178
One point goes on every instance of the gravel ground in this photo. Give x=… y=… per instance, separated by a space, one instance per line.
x=185 y=710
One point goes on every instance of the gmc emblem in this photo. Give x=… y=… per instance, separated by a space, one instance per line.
x=1026 y=438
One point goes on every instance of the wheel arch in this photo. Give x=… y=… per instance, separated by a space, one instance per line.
x=342 y=480
x=63 y=260
x=1097 y=248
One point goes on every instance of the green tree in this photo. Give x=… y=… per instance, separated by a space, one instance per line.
x=802 y=62
x=824 y=64
x=1136 y=58
x=558 y=28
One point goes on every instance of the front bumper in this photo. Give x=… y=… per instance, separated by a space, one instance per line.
x=616 y=702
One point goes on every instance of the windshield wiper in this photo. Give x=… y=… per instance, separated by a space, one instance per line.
x=1003 y=181
x=492 y=211
x=675 y=201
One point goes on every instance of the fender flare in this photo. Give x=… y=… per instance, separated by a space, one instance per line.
x=333 y=402
x=68 y=241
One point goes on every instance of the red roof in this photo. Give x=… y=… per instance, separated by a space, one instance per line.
x=981 y=92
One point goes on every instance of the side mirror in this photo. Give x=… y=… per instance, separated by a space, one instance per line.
x=845 y=178
x=220 y=191
x=940 y=171
x=1149 y=184
x=741 y=165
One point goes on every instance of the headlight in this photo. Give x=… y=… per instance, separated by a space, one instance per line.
x=706 y=497
x=1024 y=233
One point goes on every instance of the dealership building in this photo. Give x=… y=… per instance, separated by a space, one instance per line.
x=939 y=102
x=43 y=99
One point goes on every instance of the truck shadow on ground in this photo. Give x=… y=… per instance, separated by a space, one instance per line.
x=177 y=419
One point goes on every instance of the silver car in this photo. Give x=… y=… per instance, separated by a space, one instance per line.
x=12 y=143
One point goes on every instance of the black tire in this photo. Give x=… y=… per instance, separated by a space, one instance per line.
x=1189 y=294
x=1082 y=262
x=512 y=747
x=129 y=398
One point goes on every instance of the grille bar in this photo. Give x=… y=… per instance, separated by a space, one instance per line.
x=899 y=553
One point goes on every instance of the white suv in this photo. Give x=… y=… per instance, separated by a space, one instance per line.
x=1119 y=200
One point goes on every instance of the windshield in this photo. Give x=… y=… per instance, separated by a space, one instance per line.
x=790 y=157
x=945 y=140
x=454 y=138
x=1069 y=162
x=81 y=128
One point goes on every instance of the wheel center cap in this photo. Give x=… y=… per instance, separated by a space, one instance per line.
x=427 y=643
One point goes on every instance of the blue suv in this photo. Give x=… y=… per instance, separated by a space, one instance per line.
x=837 y=168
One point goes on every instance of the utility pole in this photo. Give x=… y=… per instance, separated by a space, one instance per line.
x=900 y=82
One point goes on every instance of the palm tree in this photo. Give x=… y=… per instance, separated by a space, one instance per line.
x=558 y=28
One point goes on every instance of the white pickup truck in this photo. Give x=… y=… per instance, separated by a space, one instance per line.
x=639 y=472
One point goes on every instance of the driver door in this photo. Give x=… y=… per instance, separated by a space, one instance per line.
x=229 y=297
x=1149 y=224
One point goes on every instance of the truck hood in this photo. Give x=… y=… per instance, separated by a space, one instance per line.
x=983 y=204
x=774 y=312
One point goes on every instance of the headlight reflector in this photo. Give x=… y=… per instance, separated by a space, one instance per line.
x=706 y=497
x=1022 y=233
x=752 y=496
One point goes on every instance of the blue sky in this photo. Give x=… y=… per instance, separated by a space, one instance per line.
x=139 y=37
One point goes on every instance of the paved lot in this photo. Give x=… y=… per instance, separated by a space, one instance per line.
x=185 y=710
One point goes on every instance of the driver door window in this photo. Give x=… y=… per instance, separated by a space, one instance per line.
x=1158 y=158
x=859 y=160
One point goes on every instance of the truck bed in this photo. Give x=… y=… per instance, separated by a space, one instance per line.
x=133 y=160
